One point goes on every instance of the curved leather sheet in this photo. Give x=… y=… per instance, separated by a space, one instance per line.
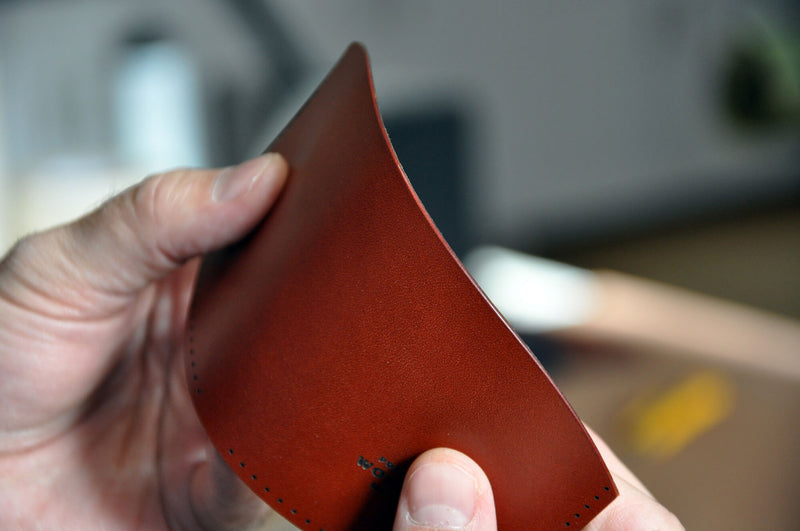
x=342 y=338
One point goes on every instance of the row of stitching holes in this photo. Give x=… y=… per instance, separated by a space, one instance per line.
x=191 y=353
x=586 y=506
x=194 y=373
x=266 y=489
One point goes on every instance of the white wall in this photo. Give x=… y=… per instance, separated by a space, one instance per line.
x=589 y=114
x=586 y=116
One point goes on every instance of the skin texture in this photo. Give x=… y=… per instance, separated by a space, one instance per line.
x=96 y=426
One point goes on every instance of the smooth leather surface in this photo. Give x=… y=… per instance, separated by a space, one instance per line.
x=342 y=338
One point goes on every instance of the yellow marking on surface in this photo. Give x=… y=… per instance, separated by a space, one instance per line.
x=663 y=426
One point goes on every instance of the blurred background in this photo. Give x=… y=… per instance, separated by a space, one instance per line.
x=659 y=140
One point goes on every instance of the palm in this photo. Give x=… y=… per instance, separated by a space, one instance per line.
x=107 y=420
x=96 y=428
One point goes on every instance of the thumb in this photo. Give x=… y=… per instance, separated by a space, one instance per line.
x=96 y=264
x=445 y=489
x=71 y=295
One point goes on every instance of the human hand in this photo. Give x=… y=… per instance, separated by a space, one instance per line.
x=96 y=426
x=445 y=489
x=97 y=430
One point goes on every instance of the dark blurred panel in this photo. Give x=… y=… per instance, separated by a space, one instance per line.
x=431 y=148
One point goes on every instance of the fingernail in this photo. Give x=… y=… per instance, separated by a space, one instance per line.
x=236 y=181
x=441 y=495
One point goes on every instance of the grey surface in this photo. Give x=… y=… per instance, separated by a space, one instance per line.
x=583 y=118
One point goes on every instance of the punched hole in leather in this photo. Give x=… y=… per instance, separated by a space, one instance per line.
x=342 y=338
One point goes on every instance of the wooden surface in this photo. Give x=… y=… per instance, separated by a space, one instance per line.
x=743 y=473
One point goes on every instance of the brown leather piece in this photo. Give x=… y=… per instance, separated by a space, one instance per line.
x=342 y=338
